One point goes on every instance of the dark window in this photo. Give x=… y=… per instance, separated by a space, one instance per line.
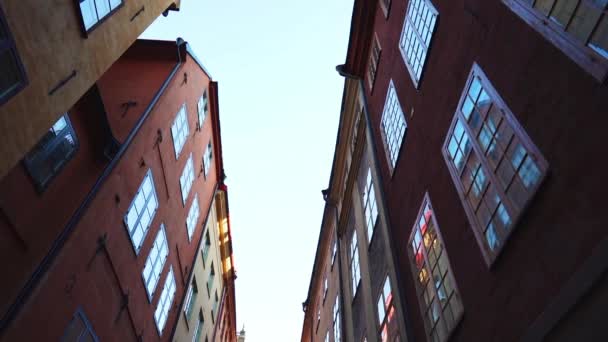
x=577 y=27
x=79 y=329
x=495 y=166
x=52 y=152
x=374 y=59
x=12 y=75
x=93 y=11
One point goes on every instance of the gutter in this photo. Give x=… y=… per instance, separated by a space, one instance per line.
x=44 y=266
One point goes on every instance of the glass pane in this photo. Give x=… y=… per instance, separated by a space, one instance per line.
x=60 y=125
x=544 y=6
x=103 y=8
x=131 y=218
x=138 y=235
x=115 y=3
x=563 y=11
x=584 y=21
x=599 y=41
x=89 y=15
x=467 y=107
x=492 y=238
x=475 y=89
x=10 y=77
x=529 y=173
x=517 y=193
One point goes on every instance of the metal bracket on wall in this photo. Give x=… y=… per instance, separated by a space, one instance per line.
x=126 y=106
x=143 y=8
x=123 y=305
x=62 y=83
x=101 y=246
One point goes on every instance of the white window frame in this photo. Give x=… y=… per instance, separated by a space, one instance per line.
x=394 y=125
x=415 y=39
x=336 y=325
x=202 y=106
x=93 y=13
x=334 y=252
x=164 y=303
x=207 y=158
x=180 y=130
x=385 y=307
x=187 y=178
x=190 y=298
x=370 y=205
x=140 y=209
x=192 y=218
x=155 y=262
x=355 y=270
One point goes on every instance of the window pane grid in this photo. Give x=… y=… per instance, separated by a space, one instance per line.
x=426 y=248
x=416 y=35
x=165 y=301
x=501 y=173
x=192 y=218
x=94 y=10
x=354 y=263
x=393 y=124
x=202 y=109
x=141 y=211
x=155 y=261
x=370 y=208
x=180 y=130
x=336 y=324
x=207 y=157
x=187 y=178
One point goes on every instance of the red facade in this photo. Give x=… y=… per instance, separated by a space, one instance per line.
x=67 y=246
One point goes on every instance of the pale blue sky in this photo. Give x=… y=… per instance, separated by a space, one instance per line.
x=280 y=100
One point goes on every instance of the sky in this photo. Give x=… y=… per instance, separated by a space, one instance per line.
x=279 y=100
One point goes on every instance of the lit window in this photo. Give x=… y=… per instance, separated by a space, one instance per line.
x=51 y=153
x=79 y=329
x=191 y=299
x=374 y=59
x=337 y=331
x=141 y=211
x=439 y=300
x=192 y=218
x=207 y=157
x=180 y=130
x=578 y=28
x=202 y=109
x=494 y=165
x=416 y=35
x=165 y=301
x=13 y=75
x=187 y=178
x=393 y=125
x=355 y=272
x=369 y=205
x=93 y=11
x=386 y=310
x=155 y=261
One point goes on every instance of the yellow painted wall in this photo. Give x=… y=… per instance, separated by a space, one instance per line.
x=51 y=44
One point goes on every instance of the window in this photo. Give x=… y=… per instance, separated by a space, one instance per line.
x=51 y=153
x=207 y=157
x=198 y=330
x=141 y=211
x=325 y=288
x=210 y=280
x=202 y=109
x=393 y=125
x=494 y=165
x=191 y=299
x=369 y=205
x=386 y=310
x=192 y=218
x=385 y=5
x=318 y=318
x=439 y=300
x=327 y=336
x=79 y=329
x=374 y=59
x=577 y=27
x=179 y=130
x=93 y=11
x=165 y=301
x=12 y=78
x=186 y=179
x=334 y=252
x=337 y=331
x=355 y=272
x=416 y=35
x=215 y=305
x=206 y=246
x=155 y=261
